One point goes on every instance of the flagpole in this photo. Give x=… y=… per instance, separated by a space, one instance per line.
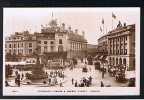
x=103 y=28
x=113 y=17
x=112 y=23
x=103 y=24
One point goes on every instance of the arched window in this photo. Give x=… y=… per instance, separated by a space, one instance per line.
x=116 y=61
x=113 y=61
x=60 y=41
x=124 y=61
x=120 y=61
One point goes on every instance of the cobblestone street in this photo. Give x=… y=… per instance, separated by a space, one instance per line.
x=77 y=75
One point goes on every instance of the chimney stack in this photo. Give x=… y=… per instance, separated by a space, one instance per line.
x=69 y=29
x=63 y=26
x=76 y=31
x=83 y=33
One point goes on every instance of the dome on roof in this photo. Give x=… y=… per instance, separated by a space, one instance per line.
x=63 y=24
x=53 y=23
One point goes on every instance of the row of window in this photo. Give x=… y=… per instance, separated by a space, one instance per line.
x=60 y=49
x=52 y=48
x=119 y=39
x=45 y=42
x=120 y=52
x=19 y=51
x=18 y=45
x=117 y=44
x=15 y=51
x=77 y=46
x=15 y=38
x=116 y=61
x=51 y=42
x=14 y=45
x=30 y=44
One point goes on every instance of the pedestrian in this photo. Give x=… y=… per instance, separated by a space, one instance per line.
x=6 y=83
x=87 y=83
x=76 y=84
x=63 y=76
x=103 y=74
x=82 y=84
x=84 y=81
x=22 y=76
x=102 y=84
x=18 y=80
x=90 y=69
x=72 y=81
x=90 y=80
x=16 y=73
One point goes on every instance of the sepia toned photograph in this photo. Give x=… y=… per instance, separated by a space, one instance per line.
x=71 y=51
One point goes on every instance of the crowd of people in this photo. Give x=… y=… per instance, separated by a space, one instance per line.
x=117 y=71
x=18 y=78
x=83 y=82
x=55 y=77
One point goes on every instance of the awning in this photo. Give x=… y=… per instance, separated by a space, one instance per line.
x=101 y=57
x=98 y=57
x=15 y=63
x=104 y=57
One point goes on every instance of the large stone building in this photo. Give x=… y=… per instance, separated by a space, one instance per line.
x=20 y=45
x=54 y=41
x=119 y=45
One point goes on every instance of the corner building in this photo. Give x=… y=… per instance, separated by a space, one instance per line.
x=121 y=46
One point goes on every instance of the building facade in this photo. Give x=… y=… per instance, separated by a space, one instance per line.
x=103 y=45
x=54 y=41
x=121 y=46
x=20 y=45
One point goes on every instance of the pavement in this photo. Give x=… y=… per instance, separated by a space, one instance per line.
x=77 y=75
x=96 y=75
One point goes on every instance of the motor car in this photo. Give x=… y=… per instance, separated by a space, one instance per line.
x=131 y=82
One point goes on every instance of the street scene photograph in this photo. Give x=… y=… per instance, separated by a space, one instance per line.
x=71 y=50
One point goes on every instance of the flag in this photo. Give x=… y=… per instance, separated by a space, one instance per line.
x=100 y=29
x=113 y=16
x=41 y=25
x=102 y=21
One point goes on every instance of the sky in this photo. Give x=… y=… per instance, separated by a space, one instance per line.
x=83 y=19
